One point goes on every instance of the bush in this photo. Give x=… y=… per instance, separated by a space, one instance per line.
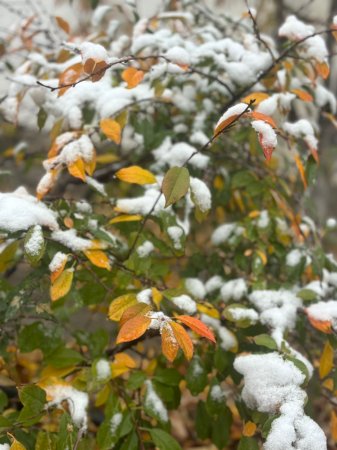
x=166 y=272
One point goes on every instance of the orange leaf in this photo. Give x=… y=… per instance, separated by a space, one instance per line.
x=322 y=68
x=95 y=68
x=249 y=429
x=301 y=170
x=136 y=175
x=70 y=76
x=77 y=169
x=133 y=329
x=326 y=360
x=63 y=24
x=183 y=339
x=333 y=425
x=133 y=311
x=303 y=95
x=259 y=116
x=57 y=273
x=98 y=258
x=62 y=285
x=111 y=129
x=169 y=343
x=225 y=124
x=321 y=325
x=132 y=77
x=197 y=326
x=258 y=97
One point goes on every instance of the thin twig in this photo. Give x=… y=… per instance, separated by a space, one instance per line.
x=257 y=32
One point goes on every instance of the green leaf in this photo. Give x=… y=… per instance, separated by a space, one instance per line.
x=34 y=244
x=136 y=380
x=175 y=184
x=3 y=400
x=265 y=341
x=196 y=376
x=307 y=295
x=64 y=357
x=203 y=421
x=36 y=336
x=131 y=442
x=33 y=399
x=170 y=377
x=163 y=440
x=221 y=429
x=248 y=443
x=41 y=118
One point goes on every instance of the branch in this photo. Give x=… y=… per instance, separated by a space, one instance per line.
x=257 y=32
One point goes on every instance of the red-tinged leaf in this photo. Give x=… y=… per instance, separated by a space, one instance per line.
x=133 y=329
x=183 y=339
x=197 y=326
x=301 y=170
x=259 y=116
x=169 y=344
x=267 y=150
x=133 y=311
x=315 y=155
x=321 y=325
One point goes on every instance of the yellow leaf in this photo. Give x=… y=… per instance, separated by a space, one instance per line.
x=132 y=77
x=111 y=129
x=120 y=304
x=135 y=174
x=16 y=445
x=106 y=158
x=62 y=285
x=333 y=425
x=303 y=95
x=326 y=360
x=209 y=310
x=249 y=429
x=301 y=170
x=157 y=296
x=103 y=395
x=121 y=364
x=98 y=258
x=262 y=256
x=126 y=218
x=54 y=275
x=52 y=372
x=183 y=339
x=90 y=166
x=77 y=169
x=257 y=96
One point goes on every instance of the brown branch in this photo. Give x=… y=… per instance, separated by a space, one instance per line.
x=257 y=32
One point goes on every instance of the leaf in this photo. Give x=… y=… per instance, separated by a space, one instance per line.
x=63 y=357
x=126 y=218
x=303 y=95
x=120 y=304
x=62 y=285
x=326 y=360
x=197 y=326
x=266 y=341
x=121 y=364
x=169 y=344
x=321 y=325
x=196 y=376
x=225 y=124
x=249 y=429
x=34 y=245
x=111 y=129
x=258 y=97
x=248 y=443
x=41 y=118
x=98 y=258
x=63 y=24
x=183 y=339
x=259 y=116
x=33 y=399
x=16 y=445
x=133 y=311
x=95 y=68
x=163 y=440
x=301 y=170
x=133 y=329
x=135 y=174
x=333 y=425
x=132 y=77
x=70 y=76
x=54 y=275
x=322 y=68
x=175 y=184
x=77 y=169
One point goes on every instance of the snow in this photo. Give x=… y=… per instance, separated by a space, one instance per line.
x=273 y=385
x=178 y=55
x=234 y=290
x=4 y=447
x=77 y=402
x=233 y=111
x=278 y=310
x=93 y=51
x=20 y=211
x=145 y=249
x=154 y=403
x=227 y=338
x=294 y=257
x=99 y=187
x=35 y=242
x=103 y=369
x=141 y=205
x=99 y=14
x=213 y=284
x=69 y=239
x=302 y=129
x=217 y=394
x=294 y=29
x=158 y=320
x=224 y=232
x=244 y=314
x=324 y=311
x=115 y=421
x=81 y=148
x=177 y=154
x=266 y=133
x=331 y=223
x=263 y=220
x=145 y=296
x=195 y=287
x=185 y=303
x=325 y=97
x=175 y=233
x=201 y=194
